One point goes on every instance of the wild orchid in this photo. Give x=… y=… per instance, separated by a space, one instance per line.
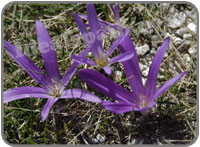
x=95 y=43
x=52 y=85
x=142 y=98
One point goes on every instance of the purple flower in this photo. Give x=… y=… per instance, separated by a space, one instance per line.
x=105 y=26
x=94 y=42
x=142 y=98
x=52 y=85
x=115 y=10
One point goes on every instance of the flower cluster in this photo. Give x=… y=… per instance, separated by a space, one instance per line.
x=53 y=86
x=95 y=43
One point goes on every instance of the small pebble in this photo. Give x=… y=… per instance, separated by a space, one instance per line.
x=143 y=81
x=145 y=72
x=141 y=50
x=192 y=27
x=117 y=75
x=187 y=58
x=178 y=20
x=178 y=41
x=89 y=54
x=155 y=38
x=143 y=31
x=180 y=32
x=165 y=6
x=172 y=10
x=94 y=140
x=192 y=14
x=159 y=21
x=100 y=138
x=192 y=51
x=187 y=36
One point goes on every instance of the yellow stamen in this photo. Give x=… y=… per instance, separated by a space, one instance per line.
x=143 y=101
x=56 y=89
x=101 y=62
x=112 y=19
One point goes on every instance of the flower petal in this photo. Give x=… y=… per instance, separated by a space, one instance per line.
x=107 y=70
x=80 y=24
x=80 y=94
x=82 y=27
x=45 y=111
x=47 y=51
x=73 y=68
x=131 y=67
x=70 y=73
x=83 y=60
x=115 y=11
x=24 y=92
x=92 y=19
x=96 y=49
x=117 y=108
x=118 y=41
x=154 y=68
x=105 y=86
x=122 y=57
x=95 y=36
x=25 y=63
x=103 y=23
x=167 y=85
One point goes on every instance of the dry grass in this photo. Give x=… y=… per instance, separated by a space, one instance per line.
x=172 y=121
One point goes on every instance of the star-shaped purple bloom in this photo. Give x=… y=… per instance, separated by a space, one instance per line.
x=94 y=42
x=142 y=98
x=52 y=85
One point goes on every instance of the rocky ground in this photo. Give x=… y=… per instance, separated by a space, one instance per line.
x=172 y=121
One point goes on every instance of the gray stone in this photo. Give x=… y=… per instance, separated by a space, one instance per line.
x=140 y=65
x=155 y=38
x=177 y=20
x=172 y=10
x=159 y=21
x=192 y=14
x=117 y=75
x=151 y=31
x=100 y=138
x=143 y=31
x=187 y=42
x=149 y=25
x=141 y=50
x=144 y=69
x=165 y=6
x=144 y=81
x=180 y=32
x=153 y=52
x=187 y=58
x=94 y=140
x=192 y=51
x=192 y=27
x=187 y=36
x=138 y=140
x=145 y=72
x=89 y=54
x=166 y=54
x=178 y=41
x=161 y=77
